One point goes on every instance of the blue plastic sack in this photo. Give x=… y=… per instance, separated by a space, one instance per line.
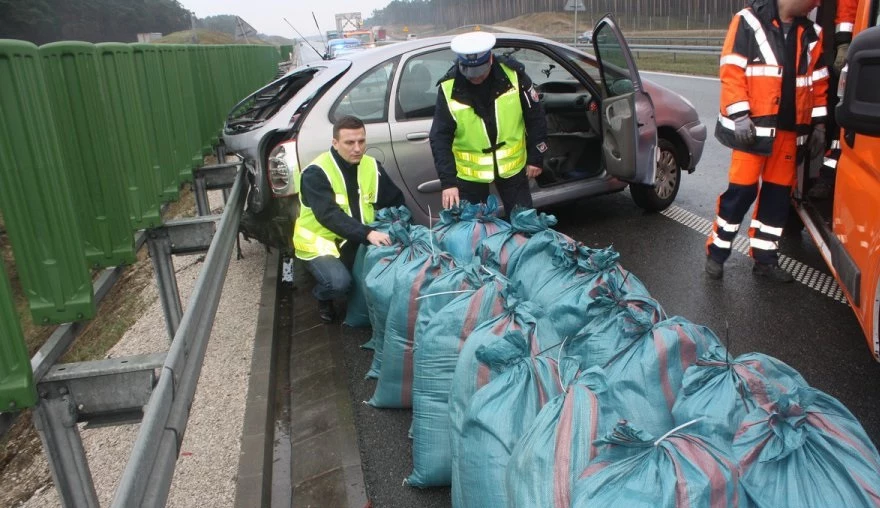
x=499 y=414
x=806 y=450
x=436 y=356
x=646 y=375
x=409 y=245
x=678 y=470
x=548 y=460
x=412 y=278
x=471 y=375
x=463 y=227
x=724 y=390
x=497 y=250
x=357 y=315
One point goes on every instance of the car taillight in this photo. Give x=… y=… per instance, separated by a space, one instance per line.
x=283 y=168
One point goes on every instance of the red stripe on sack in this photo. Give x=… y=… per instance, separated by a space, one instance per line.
x=663 y=368
x=594 y=421
x=483 y=372
x=756 y=385
x=542 y=395
x=696 y=452
x=681 y=497
x=687 y=347
x=503 y=324
x=594 y=468
x=822 y=423
x=412 y=315
x=748 y=459
x=867 y=488
x=470 y=320
x=562 y=455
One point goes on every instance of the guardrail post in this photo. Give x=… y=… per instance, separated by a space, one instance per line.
x=55 y=420
x=16 y=378
x=159 y=245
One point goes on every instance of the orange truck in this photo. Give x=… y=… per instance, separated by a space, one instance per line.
x=847 y=230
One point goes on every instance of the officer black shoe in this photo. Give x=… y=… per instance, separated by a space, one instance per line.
x=772 y=272
x=714 y=269
x=326 y=311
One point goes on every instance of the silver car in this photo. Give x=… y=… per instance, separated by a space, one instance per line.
x=607 y=128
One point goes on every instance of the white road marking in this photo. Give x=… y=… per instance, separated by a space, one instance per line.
x=806 y=275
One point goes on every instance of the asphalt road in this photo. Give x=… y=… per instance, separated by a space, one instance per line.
x=814 y=333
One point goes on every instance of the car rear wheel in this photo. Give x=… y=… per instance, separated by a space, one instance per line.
x=659 y=196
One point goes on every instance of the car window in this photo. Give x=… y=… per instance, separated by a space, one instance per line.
x=417 y=90
x=616 y=75
x=367 y=98
x=547 y=74
x=586 y=63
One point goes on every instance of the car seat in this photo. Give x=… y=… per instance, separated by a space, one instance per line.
x=417 y=96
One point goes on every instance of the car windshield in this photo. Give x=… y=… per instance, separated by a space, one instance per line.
x=587 y=64
x=263 y=104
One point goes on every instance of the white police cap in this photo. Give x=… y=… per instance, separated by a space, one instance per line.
x=473 y=48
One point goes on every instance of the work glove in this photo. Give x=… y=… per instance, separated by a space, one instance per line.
x=817 y=141
x=840 y=57
x=744 y=130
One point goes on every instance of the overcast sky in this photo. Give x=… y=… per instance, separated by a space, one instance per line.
x=267 y=16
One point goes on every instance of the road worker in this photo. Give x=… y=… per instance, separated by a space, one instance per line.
x=772 y=111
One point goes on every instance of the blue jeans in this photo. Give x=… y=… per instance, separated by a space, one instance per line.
x=332 y=277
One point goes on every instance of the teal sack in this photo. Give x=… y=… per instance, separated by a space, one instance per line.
x=463 y=227
x=497 y=250
x=806 y=450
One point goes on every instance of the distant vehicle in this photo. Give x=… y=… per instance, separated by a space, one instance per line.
x=332 y=34
x=338 y=47
x=586 y=37
x=366 y=37
x=411 y=36
x=609 y=129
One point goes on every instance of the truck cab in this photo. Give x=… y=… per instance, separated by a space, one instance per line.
x=846 y=230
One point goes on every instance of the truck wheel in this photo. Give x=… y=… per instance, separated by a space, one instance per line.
x=659 y=196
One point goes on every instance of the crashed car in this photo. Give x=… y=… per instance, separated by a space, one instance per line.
x=607 y=128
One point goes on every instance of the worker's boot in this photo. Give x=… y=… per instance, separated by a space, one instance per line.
x=772 y=272
x=326 y=311
x=714 y=269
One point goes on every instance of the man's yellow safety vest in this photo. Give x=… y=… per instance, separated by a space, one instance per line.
x=310 y=238
x=471 y=138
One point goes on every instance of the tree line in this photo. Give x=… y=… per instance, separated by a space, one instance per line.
x=42 y=21
x=453 y=13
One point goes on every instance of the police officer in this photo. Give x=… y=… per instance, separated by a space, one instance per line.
x=339 y=193
x=489 y=126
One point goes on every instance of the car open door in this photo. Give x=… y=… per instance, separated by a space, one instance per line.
x=629 y=130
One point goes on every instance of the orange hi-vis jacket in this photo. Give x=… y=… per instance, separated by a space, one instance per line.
x=751 y=68
x=845 y=20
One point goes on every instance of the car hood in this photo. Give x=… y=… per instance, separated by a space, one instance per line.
x=670 y=108
x=247 y=141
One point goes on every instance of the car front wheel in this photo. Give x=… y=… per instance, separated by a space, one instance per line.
x=659 y=196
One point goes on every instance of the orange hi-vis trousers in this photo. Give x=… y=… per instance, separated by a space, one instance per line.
x=776 y=174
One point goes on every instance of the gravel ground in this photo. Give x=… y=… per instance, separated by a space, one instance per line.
x=208 y=463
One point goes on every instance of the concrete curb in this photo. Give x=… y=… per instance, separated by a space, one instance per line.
x=254 y=479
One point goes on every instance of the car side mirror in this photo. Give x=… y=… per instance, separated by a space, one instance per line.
x=859 y=107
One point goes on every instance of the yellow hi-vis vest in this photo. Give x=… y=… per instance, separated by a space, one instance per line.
x=474 y=164
x=310 y=238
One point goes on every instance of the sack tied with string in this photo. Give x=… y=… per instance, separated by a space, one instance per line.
x=463 y=227
x=496 y=251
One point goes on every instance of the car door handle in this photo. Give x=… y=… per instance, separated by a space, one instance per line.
x=429 y=186
x=417 y=136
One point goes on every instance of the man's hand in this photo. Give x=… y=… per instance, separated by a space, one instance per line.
x=378 y=238
x=450 y=197
x=840 y=57
x=744 y=130
x=817 y=141
x=533 y=171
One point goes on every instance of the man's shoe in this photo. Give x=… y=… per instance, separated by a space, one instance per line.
x=714 y=269
x=772 y=272
x=326 y=311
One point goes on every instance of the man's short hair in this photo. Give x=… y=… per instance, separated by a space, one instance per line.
x=347 y=122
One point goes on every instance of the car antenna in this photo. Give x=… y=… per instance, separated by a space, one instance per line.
x=323 y=56
x=326 y=44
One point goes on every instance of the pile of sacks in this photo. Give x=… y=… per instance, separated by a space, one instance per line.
x=540 y=373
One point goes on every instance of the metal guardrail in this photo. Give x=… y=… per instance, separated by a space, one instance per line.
x=663 y=48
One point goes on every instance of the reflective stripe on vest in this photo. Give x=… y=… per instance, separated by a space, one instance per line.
x=471 y=138
x=310 y=238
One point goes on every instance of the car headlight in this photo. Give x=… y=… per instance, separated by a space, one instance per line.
x=283 y=169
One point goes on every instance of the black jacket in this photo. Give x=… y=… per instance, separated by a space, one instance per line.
x=317 y=194
x=482 y=98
